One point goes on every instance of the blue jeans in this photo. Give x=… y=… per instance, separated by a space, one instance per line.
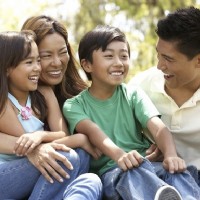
x=143 y=182
x=195 y=173
x=19 y=179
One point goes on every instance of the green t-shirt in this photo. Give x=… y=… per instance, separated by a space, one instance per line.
x=116 y=116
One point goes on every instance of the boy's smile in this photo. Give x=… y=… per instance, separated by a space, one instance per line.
x=110 y=67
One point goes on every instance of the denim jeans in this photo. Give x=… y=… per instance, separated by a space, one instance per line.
x=195 y=173
x=142 y=183
x=87 y=186
x=19 y=179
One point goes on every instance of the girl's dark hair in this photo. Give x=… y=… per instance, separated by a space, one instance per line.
x=16 y=47
x=183 y=28
x=99 y=38
x=72 y=84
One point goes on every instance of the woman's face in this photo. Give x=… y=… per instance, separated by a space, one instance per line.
x=54 y=59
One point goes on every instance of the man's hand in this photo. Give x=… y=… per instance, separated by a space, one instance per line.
x=44 y=158
x=174 y=164
x=154 y=154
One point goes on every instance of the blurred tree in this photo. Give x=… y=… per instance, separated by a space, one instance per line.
x=137 y=18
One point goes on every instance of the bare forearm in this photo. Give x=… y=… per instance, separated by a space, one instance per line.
x=49 y=136
x=100 y=140
x=72 y=141
x=165 y=143
x=7 y=143
x=162 y=137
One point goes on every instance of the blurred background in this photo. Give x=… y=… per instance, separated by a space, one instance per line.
x=136 y=18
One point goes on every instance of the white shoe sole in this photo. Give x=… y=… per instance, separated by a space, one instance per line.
x=167 y=193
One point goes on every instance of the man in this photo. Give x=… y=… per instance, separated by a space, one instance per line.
x=174 y=87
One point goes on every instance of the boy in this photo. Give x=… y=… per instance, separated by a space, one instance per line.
x=107 y=112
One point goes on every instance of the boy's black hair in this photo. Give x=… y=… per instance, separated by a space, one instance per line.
x=99 y=38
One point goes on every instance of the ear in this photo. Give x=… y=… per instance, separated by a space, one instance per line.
x=86 y=65
x=8 y=72
x=198 y=61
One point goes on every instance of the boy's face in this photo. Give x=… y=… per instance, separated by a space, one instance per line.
x=109 y=68
x=178 y=70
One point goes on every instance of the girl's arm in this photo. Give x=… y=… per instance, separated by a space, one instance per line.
x=79 y=140
x=9 y=123
x=165 y=142
x=27 y=142
x=7 y=143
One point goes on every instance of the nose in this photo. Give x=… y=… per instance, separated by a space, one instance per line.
x=161 y=65
x=118 y=61
x=56 y=61
x=37 y=67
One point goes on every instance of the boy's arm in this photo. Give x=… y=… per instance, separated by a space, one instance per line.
x=99 y=139
x=165 y=142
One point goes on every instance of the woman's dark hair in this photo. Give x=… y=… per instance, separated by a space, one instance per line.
x=72 y=84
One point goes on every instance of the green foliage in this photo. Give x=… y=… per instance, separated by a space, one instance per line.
x=140 y=19
x=137 y=18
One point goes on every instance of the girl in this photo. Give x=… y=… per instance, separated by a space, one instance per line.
x=26 y=107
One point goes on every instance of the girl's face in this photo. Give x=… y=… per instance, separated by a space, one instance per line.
x=54 y=59
x=24 y=77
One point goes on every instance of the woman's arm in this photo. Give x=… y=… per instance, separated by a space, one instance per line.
x=55 y=118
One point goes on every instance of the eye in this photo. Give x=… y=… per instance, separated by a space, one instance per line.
x=43 y=56
x=108 y=56
x=124 y=56
x=64 y=52
x=29 y=62
x=38 y=60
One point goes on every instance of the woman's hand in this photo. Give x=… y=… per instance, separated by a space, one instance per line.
x=153 y=153
x=44 y=158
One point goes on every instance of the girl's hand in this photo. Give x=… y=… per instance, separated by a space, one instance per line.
x=27 y=142
x=45 y=158
x=174 y=164
x=130 y=160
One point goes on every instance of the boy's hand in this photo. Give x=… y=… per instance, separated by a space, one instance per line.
x=130 y=160
x=174 y=164
x=26 y=143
